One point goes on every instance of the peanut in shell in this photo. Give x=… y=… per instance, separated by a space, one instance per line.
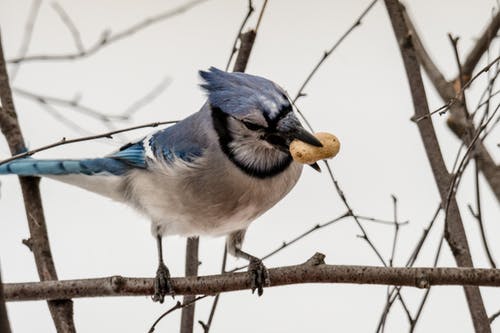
x=308 y=154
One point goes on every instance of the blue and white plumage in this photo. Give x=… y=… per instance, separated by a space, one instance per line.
x=212 y=173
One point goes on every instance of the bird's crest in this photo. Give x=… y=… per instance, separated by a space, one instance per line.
x=242 y=95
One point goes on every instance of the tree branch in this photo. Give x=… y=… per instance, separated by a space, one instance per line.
x=64 y=141
x=4 y=319
x=457 y=121
x=192 y=263
x=107 y=38
x=455 y=233
x=312 y=271
x=481 y=46
x=61 y=310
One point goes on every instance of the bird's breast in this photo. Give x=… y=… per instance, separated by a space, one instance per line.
x=207 y=198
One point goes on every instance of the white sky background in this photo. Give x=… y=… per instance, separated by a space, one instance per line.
x=360 y=94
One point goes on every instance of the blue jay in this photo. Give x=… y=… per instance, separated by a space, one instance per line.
x=212 y=173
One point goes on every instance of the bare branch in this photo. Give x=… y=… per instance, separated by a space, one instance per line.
x=107 y=38
x=4 y=319
x=192 y=263
x=354 y=216
x=443 y=87
x=206 y=326
x=64 y=141
x=455 y=231
x=147 y=98
x=70 y=25
x=246 y=45
x=481 y=46
x=479 y=217
x=312 y=271
x=394 y=292
x=28 y=33
x=177 y=306
x=457 y=121
x=414 y=322
x=327 y=53
x=396 y=230
x=494 y=316
x=238 y=34
x=74 y=103
x=61 y=310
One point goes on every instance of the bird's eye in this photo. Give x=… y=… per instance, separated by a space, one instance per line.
x=252 y=126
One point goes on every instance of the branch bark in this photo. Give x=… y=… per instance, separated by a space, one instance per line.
x=246 y=44
x=192 y=262
x=481 y=46
x=61 y=310
x=312 y=271
x=455 y=233
x=458 y=121
x=4 y=319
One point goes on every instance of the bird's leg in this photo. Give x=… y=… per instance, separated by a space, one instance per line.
x=162 y=284
x=258 y=272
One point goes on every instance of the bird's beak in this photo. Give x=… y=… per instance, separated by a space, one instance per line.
x=301 y=134
x=315 y=166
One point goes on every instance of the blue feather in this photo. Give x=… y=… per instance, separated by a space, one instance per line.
x=132 y=154
x=33 y=167
x=185 y=140
x=240 y=94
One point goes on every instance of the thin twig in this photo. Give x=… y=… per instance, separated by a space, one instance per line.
x=177 y=306
x=65 y=120
x=455 y=179
x=327 y=53
x=349 y=208
x=410 y=262
x=28 y=33
x=478 y=215
x=261 y=14
x=64 y=141
x=238 y=34
x=315 y=228
x=73 y=103
x=396 y=230
x=206 y=326
x=494 y=316
x=149 y=97
x=108 y=38
x=415 y=319
x=459 y=95
x=70 y=25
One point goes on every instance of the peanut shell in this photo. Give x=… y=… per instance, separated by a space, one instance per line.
x=308 y=154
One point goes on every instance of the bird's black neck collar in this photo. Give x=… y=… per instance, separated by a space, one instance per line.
x=220 y=122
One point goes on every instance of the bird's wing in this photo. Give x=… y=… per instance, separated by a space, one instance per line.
x=185 y=141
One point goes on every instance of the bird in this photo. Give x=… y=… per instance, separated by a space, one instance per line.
x=212 y=173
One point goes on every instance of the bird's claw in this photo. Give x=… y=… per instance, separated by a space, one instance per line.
x=162 y=284
x=259 y=276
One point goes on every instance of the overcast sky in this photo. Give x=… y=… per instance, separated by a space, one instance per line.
x=360 y=94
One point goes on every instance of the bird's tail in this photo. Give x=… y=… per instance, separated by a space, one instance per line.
x=34 y=167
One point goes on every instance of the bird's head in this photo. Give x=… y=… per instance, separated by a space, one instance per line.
x=254 y=120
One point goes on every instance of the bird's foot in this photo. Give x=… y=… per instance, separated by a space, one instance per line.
x=259 y=275
x=162 y=284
